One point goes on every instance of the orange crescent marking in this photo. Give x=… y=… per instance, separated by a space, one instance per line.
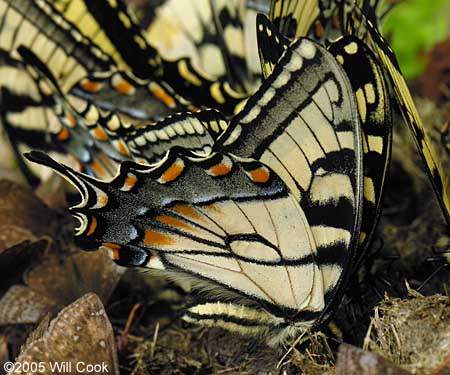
x=130 y=181
x=91 y=86
x=100 y=134
x=92 y=226
x=220 y=169
x=162 y=95
x=114 y=248
x=155 y=238
x=63 y=135
x=260 y=175
x=124 y=87
x=172 y=173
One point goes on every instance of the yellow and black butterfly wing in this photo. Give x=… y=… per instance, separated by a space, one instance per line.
x=196 y=132
x=37 y=26
x=294 y=18
x=271 y=44
x=374 y=106
x=373 y=100
x=107 y=138
x=117 y=29
x=108 y=25
x=438 y=177
x=230 y=231
x=227 y=218
x=303 y=123
x=81 y=68
x=211 y=33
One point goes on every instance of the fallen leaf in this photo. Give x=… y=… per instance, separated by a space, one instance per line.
x=81 y=335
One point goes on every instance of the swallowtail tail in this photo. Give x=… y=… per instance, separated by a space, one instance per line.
x=290 y=162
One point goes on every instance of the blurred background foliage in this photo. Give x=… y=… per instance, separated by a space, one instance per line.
x=414 y=27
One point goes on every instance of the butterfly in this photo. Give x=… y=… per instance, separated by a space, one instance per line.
x=217 y=36
x=109 y=25
x=99 y=140
x=403 y=98
x=373 y=103
x=289 y=162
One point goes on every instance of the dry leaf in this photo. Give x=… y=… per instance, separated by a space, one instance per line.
x=79 y=336
x=58 y=281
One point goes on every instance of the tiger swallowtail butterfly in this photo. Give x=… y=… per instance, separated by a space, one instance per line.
x=290 y=162
x=111 y=26
x=374 y=107
x=100 y=140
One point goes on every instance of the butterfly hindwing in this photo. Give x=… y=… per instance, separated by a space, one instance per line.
x=39 y=27
x=439 y=179
x=194 y=131
x=303 y=124
x=229 y=231
x=374 y=107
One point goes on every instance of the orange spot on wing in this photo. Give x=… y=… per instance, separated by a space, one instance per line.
x=71 y=120
x=63 y=135
x=124 y=87
x=162 y=95
x=152 y=237
x=103 y=200
x=98 y=169
x=173 y=222
x=120 y=145
x=260 y=175
x=130 y=181
x=92 y=227
x=319 y=31
x=172 y=172
x=220 y=169
x=186 y=211
x=90 y=86
x=114 y=248
x=100 y=134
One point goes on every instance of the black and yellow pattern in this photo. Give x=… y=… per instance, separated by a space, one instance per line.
x=109 y=25
x=290 y=162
